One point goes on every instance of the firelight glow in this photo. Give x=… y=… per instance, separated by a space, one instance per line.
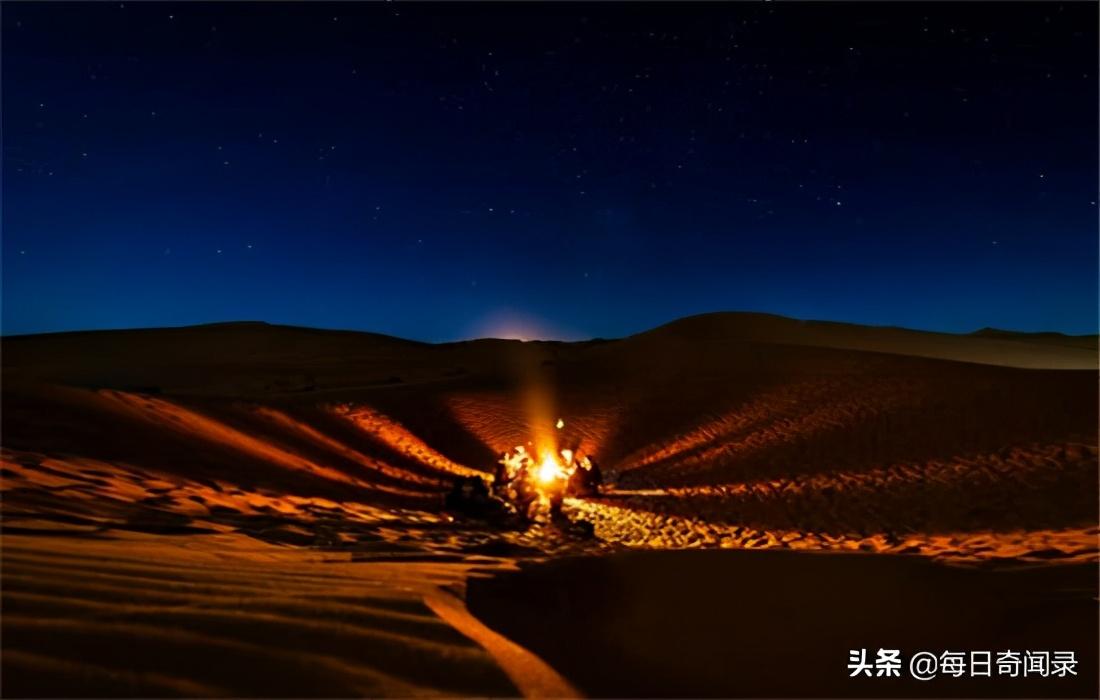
x=550 y=469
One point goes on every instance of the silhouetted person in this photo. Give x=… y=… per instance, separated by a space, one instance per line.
x=470 y=496
x=526 y=495
x=586 y=482
x=555 y=493
x=595 y=477
x=501 y=477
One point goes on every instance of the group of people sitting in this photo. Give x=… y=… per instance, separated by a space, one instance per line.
x=521 y=480
x=522 y=485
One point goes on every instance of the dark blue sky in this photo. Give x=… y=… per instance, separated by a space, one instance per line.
x=443 y=171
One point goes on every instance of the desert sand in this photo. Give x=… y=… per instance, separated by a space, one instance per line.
x=254 y=510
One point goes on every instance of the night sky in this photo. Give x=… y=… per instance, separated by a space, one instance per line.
x=558 y=170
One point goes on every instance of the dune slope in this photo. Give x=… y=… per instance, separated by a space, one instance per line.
x=276 y=492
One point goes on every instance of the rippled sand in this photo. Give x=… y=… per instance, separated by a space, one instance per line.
x=249 y=510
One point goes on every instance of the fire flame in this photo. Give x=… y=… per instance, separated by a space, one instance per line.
x=537 y=477
x=550 y=470
x=546 y=473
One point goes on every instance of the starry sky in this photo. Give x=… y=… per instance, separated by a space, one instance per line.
x=570 y=170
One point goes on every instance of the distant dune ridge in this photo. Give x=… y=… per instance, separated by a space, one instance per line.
x=986 y=346
x=221 y=487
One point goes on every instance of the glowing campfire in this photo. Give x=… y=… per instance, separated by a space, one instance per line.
x=550 y=470
x=535 y=480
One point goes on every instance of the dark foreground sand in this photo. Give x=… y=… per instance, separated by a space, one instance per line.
x=247 y=510
x=780 y=624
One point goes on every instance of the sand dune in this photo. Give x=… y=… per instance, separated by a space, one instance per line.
x=986 y=346
x=185 y=508
x=227 y=617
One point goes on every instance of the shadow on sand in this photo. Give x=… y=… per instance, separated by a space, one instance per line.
x=715 y=623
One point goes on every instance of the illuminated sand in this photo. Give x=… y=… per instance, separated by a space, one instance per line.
x=275 y=493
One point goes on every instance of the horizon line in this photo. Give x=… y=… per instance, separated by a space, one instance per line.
x=245 y=322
